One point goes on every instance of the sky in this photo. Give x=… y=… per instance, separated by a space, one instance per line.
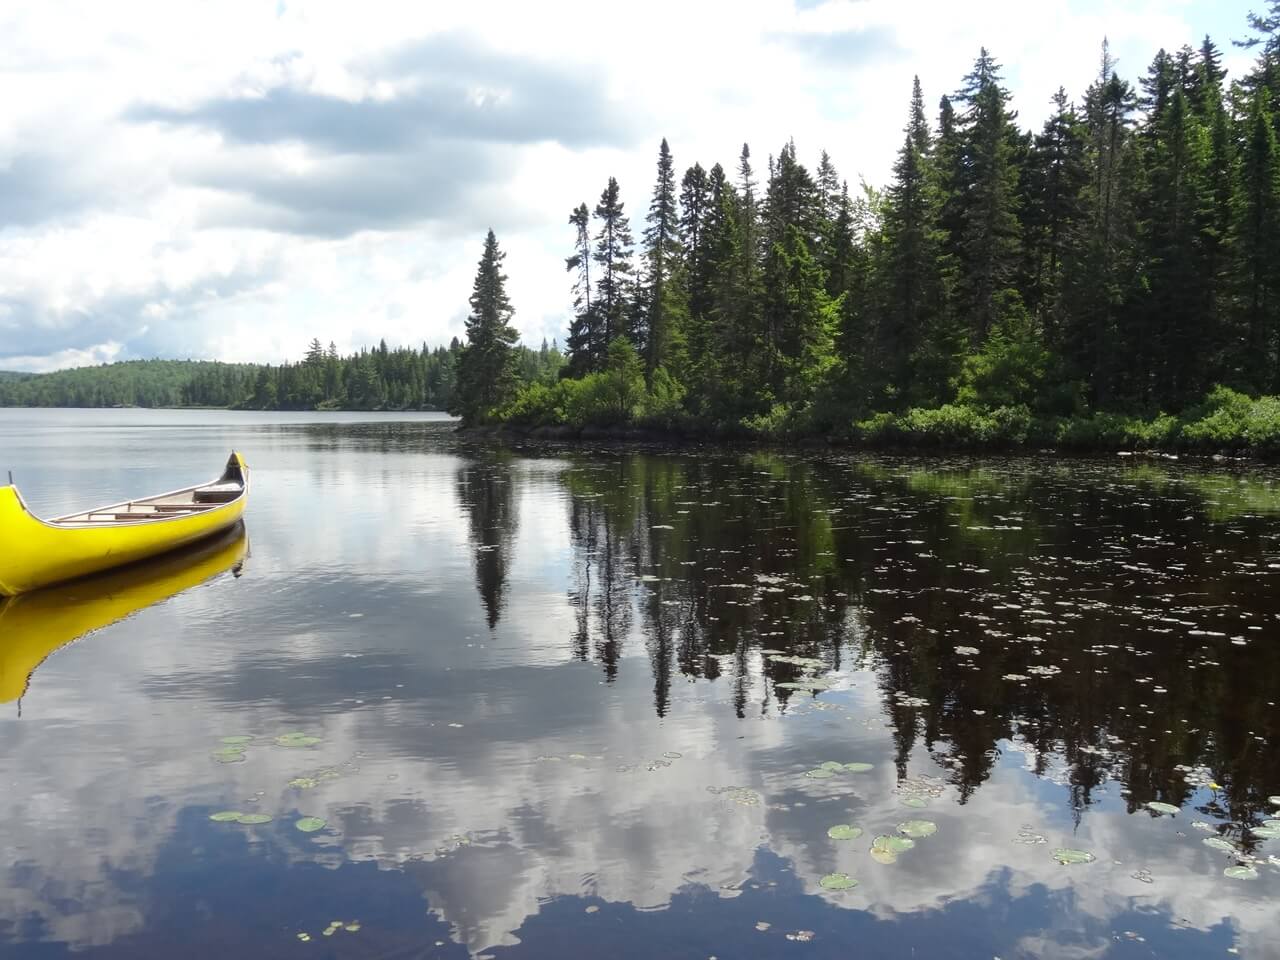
x=227 y=181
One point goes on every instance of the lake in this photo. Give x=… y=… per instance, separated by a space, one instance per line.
x=535 y=702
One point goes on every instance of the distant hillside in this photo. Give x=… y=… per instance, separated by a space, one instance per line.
x=376 y=379
x=133 y=383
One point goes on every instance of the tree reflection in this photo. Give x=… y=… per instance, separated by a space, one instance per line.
x=485 y=489
x=1101 y=604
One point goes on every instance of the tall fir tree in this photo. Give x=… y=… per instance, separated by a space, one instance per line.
x=585 y=344
x=1258 y=250
x=665 y=300
x=988 y=245
x=486 y=367
x=613 y=252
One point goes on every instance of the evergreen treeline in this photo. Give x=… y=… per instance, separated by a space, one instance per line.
x=376 y=379
x=131 y=383
x=1008 y=285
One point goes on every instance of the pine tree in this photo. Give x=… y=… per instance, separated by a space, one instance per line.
x=1258 y=249
x=910 y=280
x=586 y=341
x=486 y=369
x=612 y=253
x=1102 y=254
x=987 y=246
x=1055 y=177
x=664 y=297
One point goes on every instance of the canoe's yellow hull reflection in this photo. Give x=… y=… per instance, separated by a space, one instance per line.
x=34 y=625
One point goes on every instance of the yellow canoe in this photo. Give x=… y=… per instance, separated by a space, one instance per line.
x=36 y=624
x=35 y=553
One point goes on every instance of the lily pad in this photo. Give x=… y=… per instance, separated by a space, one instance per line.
x=837 y=881
x=1240 y=872
x=819 y=774
x=225 y=816
x=1161 y=807
x=858 y=767
x=1067 y=856
x=229 y=754
x=885 y=848
x=251 y=819
x=843 y=831
x=238 y=738
x=1274 y=801
x=352 y=927
x=916 y=802
x=831 y=765
x=1219 y=844
x=1266 y=833
x=297 y=740
x=304 y=783
x=310 y=824
x=918 y=829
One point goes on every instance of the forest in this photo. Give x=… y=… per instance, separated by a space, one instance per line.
x=376 y=379
x=1111 y=279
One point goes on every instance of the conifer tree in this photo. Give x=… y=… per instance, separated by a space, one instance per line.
x=1258 y=248
x=486 y=369
x=664 y=299
x=586 y=341
x=987 y=247
x=613 y=253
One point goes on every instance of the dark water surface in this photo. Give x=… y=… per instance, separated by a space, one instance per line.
x=577 y=703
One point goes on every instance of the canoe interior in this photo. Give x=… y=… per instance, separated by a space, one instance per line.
x=165 y=506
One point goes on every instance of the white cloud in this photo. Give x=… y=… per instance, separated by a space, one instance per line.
x=214 y=234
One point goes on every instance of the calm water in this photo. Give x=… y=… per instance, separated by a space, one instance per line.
x=577 y=703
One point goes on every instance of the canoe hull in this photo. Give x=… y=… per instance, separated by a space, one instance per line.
x=34 y=625
x=35 y=553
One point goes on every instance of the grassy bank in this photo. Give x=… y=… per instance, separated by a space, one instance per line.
x=602 y=406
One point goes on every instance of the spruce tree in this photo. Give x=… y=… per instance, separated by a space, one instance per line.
x=1056 y=175
x=613 y=253
x=662 y=255
x=586 y=341
x=486 y=367
x=910 y=281
x=988 y=244
x=1258 y=249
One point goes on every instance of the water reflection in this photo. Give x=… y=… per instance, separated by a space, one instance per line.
x=34 y=625
x=568 y=703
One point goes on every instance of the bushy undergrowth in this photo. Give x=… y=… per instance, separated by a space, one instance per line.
x=1225 y=421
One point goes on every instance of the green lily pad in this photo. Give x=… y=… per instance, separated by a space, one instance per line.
x=885 y=848
x=297 y=740
x=251 y=819
x=918 y=829
x=225 y=816
x=858 y=767
x=304 y=783
x=1160 y=807
x=1067 y=856
x=843 y=831
x=1239 y=872
x=352 y=927
x=1266 y=833
x=310 y=824
x=896 y=844
x=805 y=685
x=229 y=754
x=916 y=802
x=238 y=738
x=837 y=881
x=1219 y=844
x=819 y=774
x=831 y=765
